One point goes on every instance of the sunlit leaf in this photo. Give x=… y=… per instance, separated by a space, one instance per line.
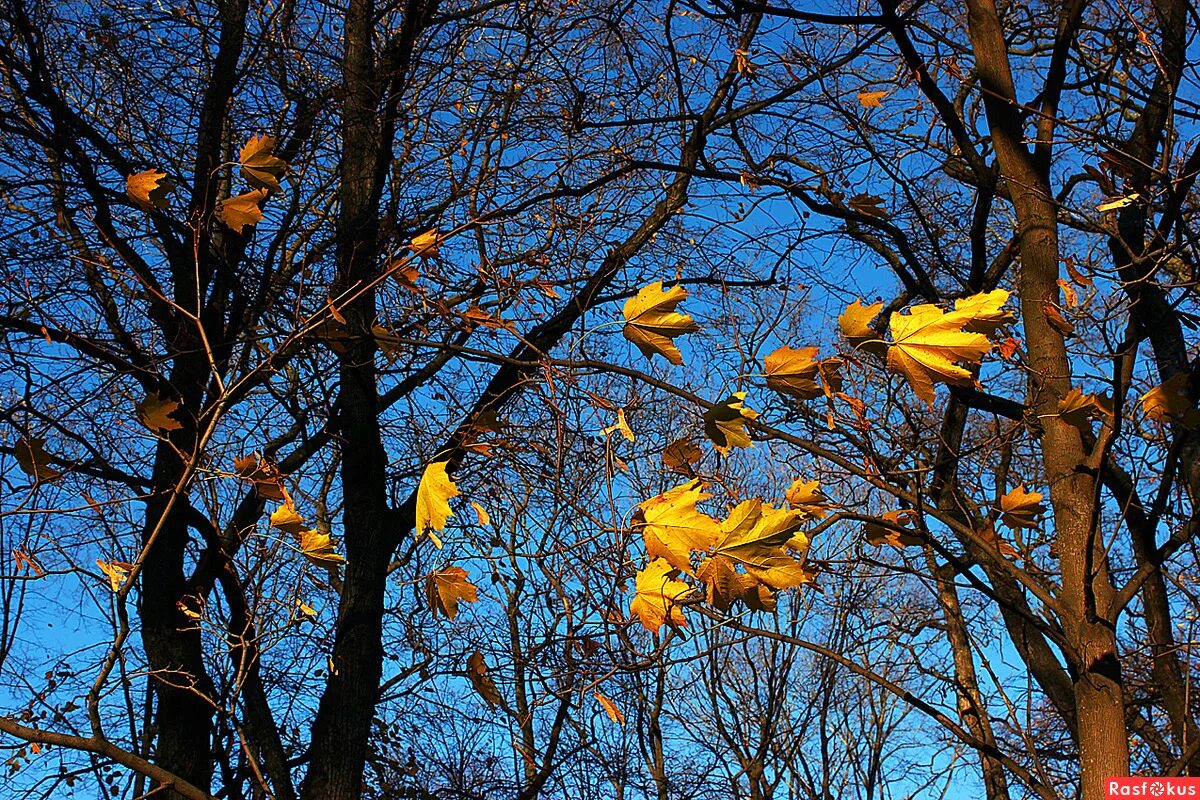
x=433 y=501
x=725 y=423
x=652 y=323
x=446 y=588
x=260 y=167
x=658 y=596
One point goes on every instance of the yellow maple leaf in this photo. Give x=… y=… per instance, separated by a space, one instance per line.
x=885 y=530
x=755 y=537
x=287 y=519
x=652 y=323
x=155 y=412
x=446 y=588
x=260 y=167
x=1169 y=402
x=426 y=244
x=242 y=210
x=1020 y=508
x=855 y=324
x=33 y=459
x=794 y=372
x=149 y=189
x=317 y=547
x=929 y=345
x=115 y=571
x=725 y=423
x=674 y=528
x=610 y=708
x=724 y=585
x=807 y=498
x=871 y=99
x=433 y=501
x=1079 y=409
x=657 y=596
x=984 y=313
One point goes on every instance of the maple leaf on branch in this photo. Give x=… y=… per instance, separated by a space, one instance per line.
x=673 y=529
x=1169 y=402
x=755 y=537
x=260 y=167
x=931 y=346
x=243 y=210
x=157 y=412
x=855 y=325
x=725 y=423
x=446 y=588
x=149 y=189
x=652 y=323
x=433 y=501
x=795 y=372
x=1020 y=508
x=657 y=596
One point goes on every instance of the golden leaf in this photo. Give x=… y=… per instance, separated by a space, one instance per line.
x=610 y=708
x=406 y=273
x=149 y=189
x=652 y=323
x=433 y=501
x=879 y=533
x=317 y=547
x=481 y=514
x=724 y=585
x=155 y=412
x=1119 y=203
x=855 y=324
x=928 y=345
x=1079 y=409
x=287 y=519
x=725 y=423
x=33 y=459
x=680 y=454
x=674 y=528
x=807 y=498
x=657 y=596
x=755 y=536
x=793 y=372
x=242 y=210
x=426 y=244
x=1169 y=402
x=984 y=312
x=446 y=588
x=260 y=167
x=871 y=99
x=477 y=673
x=115 y=571
x=620 y=425
x=304 y=609
x=1020 y=509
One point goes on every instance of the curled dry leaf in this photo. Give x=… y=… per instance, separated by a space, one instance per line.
x=725 y=423
x=115 y=571
x=652 y=323
x=621 y=425
x=657 y=596
x=807 y=498
x=433 y=501
x=481 y=514
x=149 y=189
x=610 y=708
x=446 y=588
x=477 y=673
x=262 y=474
x=33 y=459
